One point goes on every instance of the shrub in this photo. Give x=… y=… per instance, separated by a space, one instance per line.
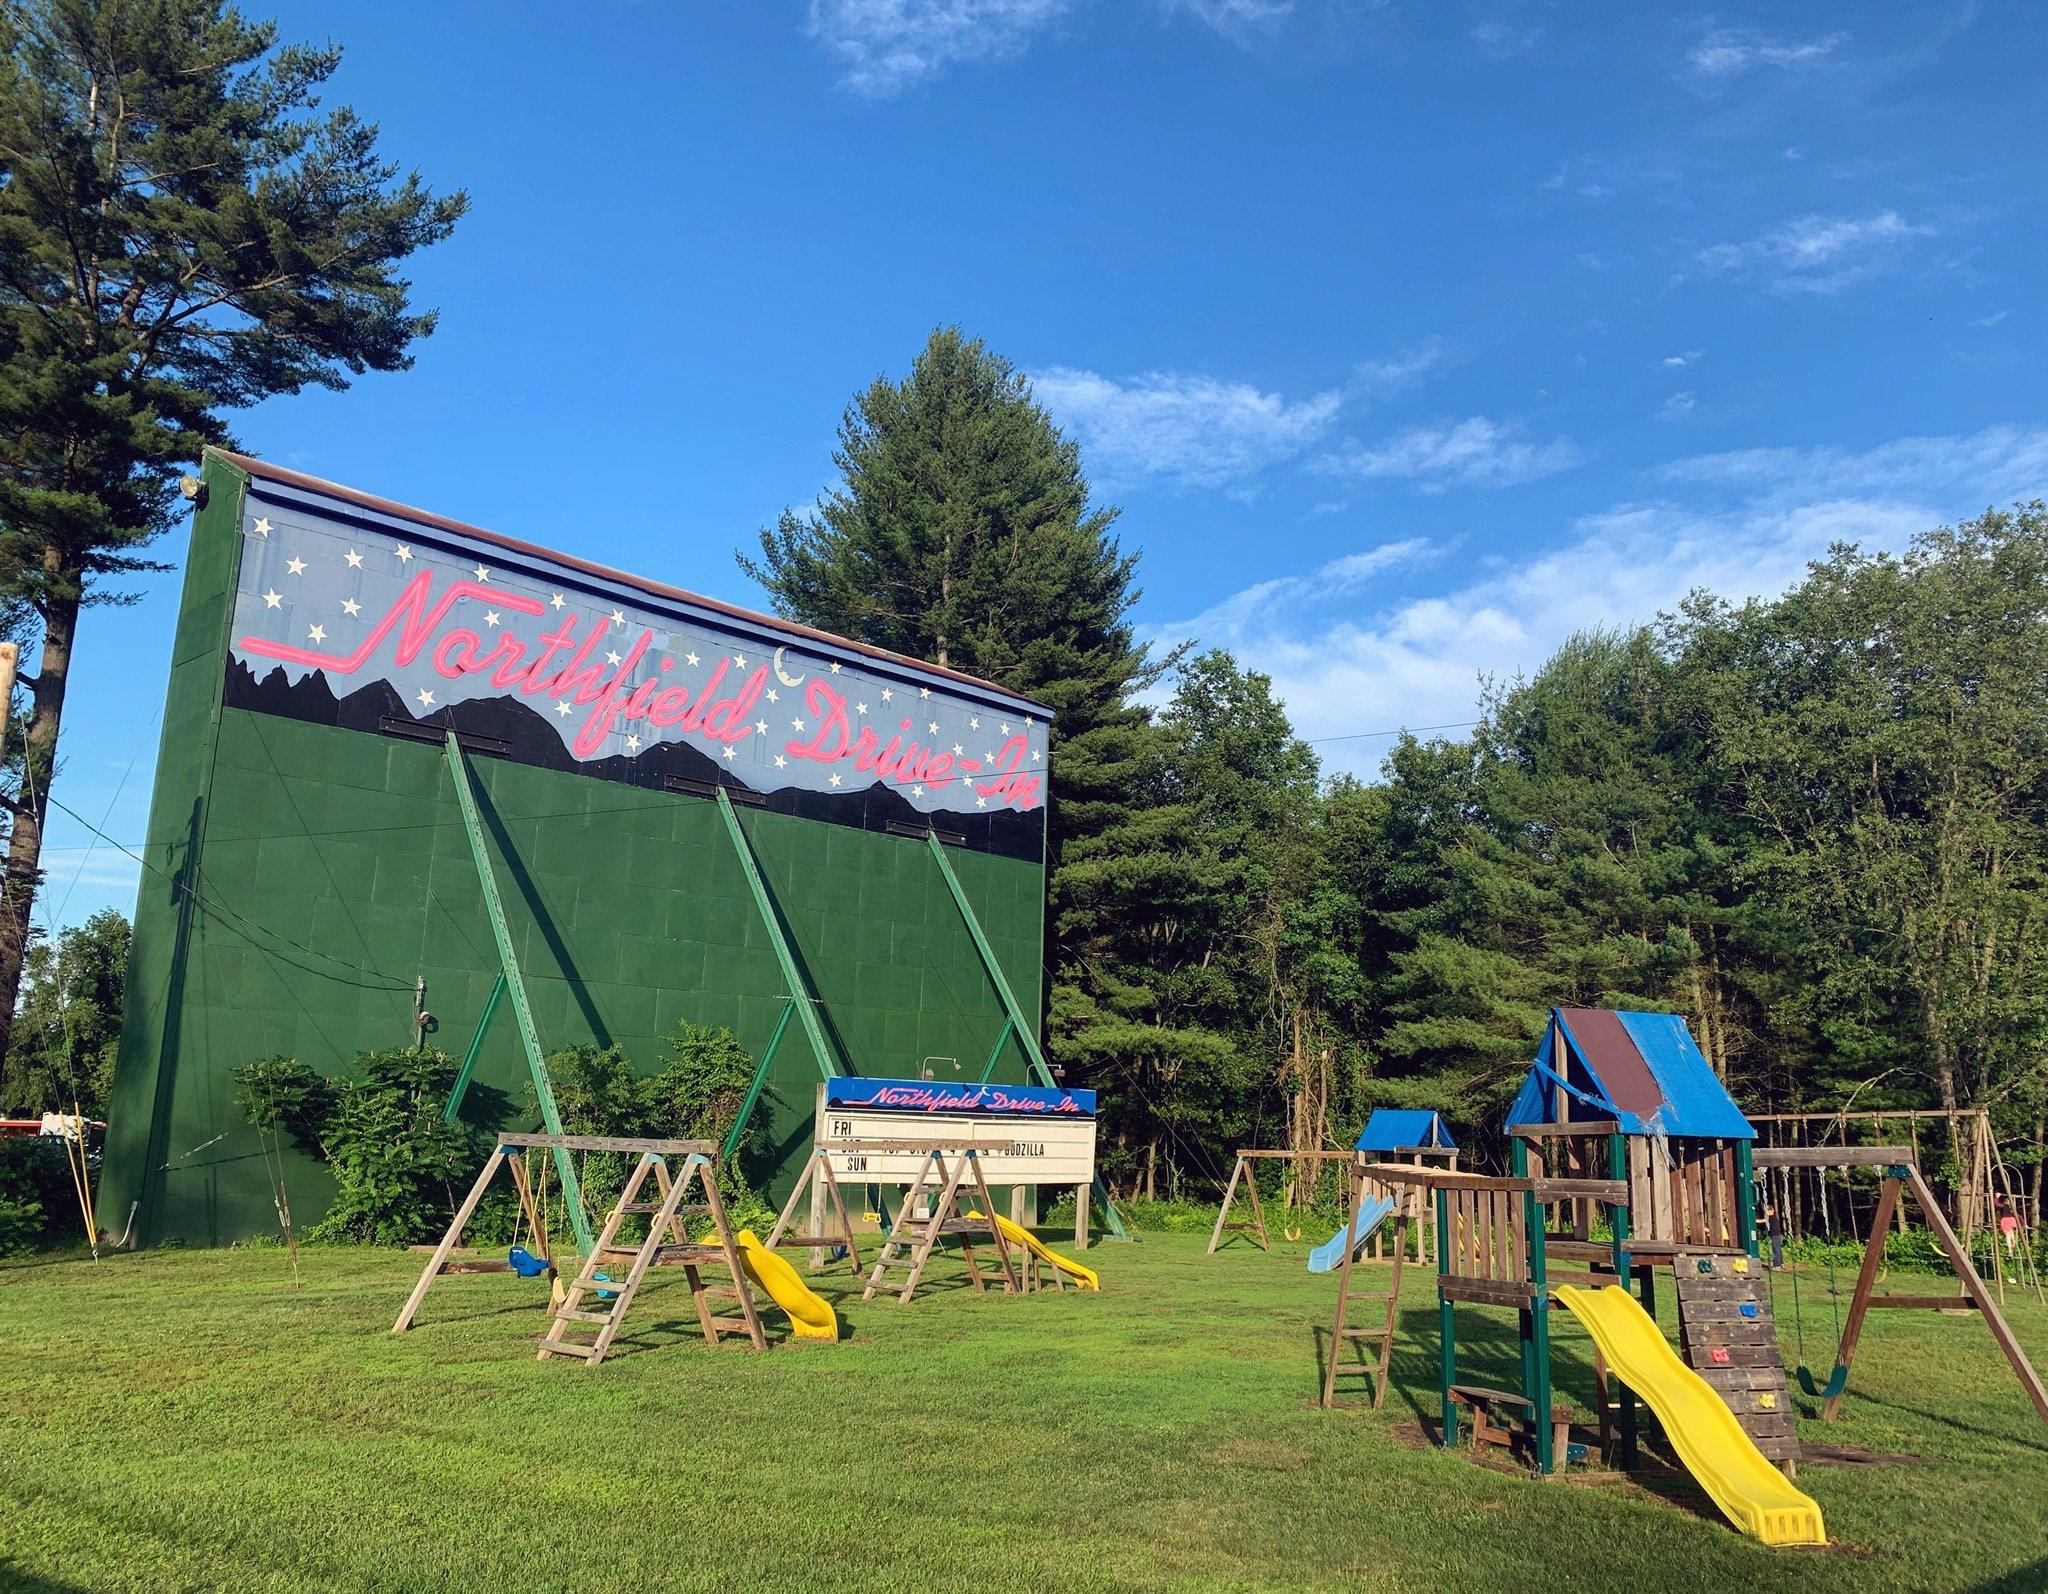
x=38 y=1202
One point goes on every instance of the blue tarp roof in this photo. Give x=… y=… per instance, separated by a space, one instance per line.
x=1641 y=1069
x=1395 y=1129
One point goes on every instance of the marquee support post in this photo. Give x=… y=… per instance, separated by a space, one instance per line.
x=1015 y=1022
x=511 y=984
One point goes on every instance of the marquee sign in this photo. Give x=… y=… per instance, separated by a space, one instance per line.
x=356 y=616
x=932 y=1096
x=1048 y=1134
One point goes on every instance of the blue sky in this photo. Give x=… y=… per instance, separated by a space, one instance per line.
x=1410 y=338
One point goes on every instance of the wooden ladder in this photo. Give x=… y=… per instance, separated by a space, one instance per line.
x=666 y=1244
x=1343 y=1333
x=911 y=1239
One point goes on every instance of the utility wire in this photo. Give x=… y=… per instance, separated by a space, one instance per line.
x=1404 y=730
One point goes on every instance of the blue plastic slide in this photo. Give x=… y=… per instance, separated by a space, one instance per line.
x=1329 y=1256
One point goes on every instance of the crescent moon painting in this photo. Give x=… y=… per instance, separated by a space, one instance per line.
x=783 y=675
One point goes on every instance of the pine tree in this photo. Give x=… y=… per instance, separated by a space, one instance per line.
x=179 y=236
x=962 y=532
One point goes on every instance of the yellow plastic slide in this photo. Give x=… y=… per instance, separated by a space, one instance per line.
x=1083 y=1276
x=810 y=1314
x=1753 y=1494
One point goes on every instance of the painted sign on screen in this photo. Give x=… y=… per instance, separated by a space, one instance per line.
x=363 y=618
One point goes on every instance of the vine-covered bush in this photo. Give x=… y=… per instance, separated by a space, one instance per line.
x=397 y=1166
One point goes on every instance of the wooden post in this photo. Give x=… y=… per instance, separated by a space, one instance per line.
x=1866 y=1281
x=1959 y=1258
x=1081 y=1194
x=1237 y=1170
x=449 y=1241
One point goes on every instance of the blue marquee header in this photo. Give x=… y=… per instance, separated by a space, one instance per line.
x=944 y=1096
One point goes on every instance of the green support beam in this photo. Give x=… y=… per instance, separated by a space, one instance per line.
x=476 y=1047
x=802 y=1001
x=1016 y=1022
x=510 y=983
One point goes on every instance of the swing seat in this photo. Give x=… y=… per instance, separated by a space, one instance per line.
x=525 y=1263
x=1837 y=1381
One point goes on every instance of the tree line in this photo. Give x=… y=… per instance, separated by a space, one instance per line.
x=1814 y=823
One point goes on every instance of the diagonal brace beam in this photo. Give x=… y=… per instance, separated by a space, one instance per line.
x=1017 y=1023
x=514 y=987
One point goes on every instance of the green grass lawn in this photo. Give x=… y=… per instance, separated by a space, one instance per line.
x=190 y=1420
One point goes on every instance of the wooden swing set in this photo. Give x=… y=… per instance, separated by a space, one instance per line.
x=1899 y=1172
x=585 y=1317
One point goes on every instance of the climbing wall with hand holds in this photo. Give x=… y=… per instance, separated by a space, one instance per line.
x=1729 y=1337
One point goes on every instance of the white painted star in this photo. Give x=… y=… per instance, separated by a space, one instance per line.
x=932 y=726
x=974 y=725
x=981 y=802
x=690 y=659
x=612 y=657
x=729 y=752
x=988 y=757
x=272 y=600
x=833 y=666
x=1034 y=755
x=482 y=573
x=563 y=708
x=618 y=617
x=1002 y=730
x=295 y=565
x=860 y=708
x=956 y=749
x=349 y=606
x=557 y=600
x=924 y=691
x=426 y=698
x=796 y=725
x=632 y=743
x=491 y=617
x=773 y=696
x=780 y=761
x=355 y=560
x=404 y=554
x=740 y=660
x=1028 y=720
x=917 y=791
x=262 y=527
x=761 y=726
x=315 y=633
x=887 y=694
x=835 y=780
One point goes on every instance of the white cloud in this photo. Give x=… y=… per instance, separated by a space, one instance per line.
x=1232 y=16
x=1471 y=453
x=1678 y=406
x=1501 y=38
x=1820 y=254
x=1346 y=576
x=1193 y=430
x=1729 y=52
x=884 y=46
x=1992 y=319
x=1403 y=366
x=1738 y=524
x=1673 y=362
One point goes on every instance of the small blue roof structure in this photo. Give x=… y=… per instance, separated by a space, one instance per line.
x=1397 y=1129
x=1643 y=1070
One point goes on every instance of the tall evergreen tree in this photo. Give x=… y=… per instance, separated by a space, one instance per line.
x=180 y=235
x=962 y=532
